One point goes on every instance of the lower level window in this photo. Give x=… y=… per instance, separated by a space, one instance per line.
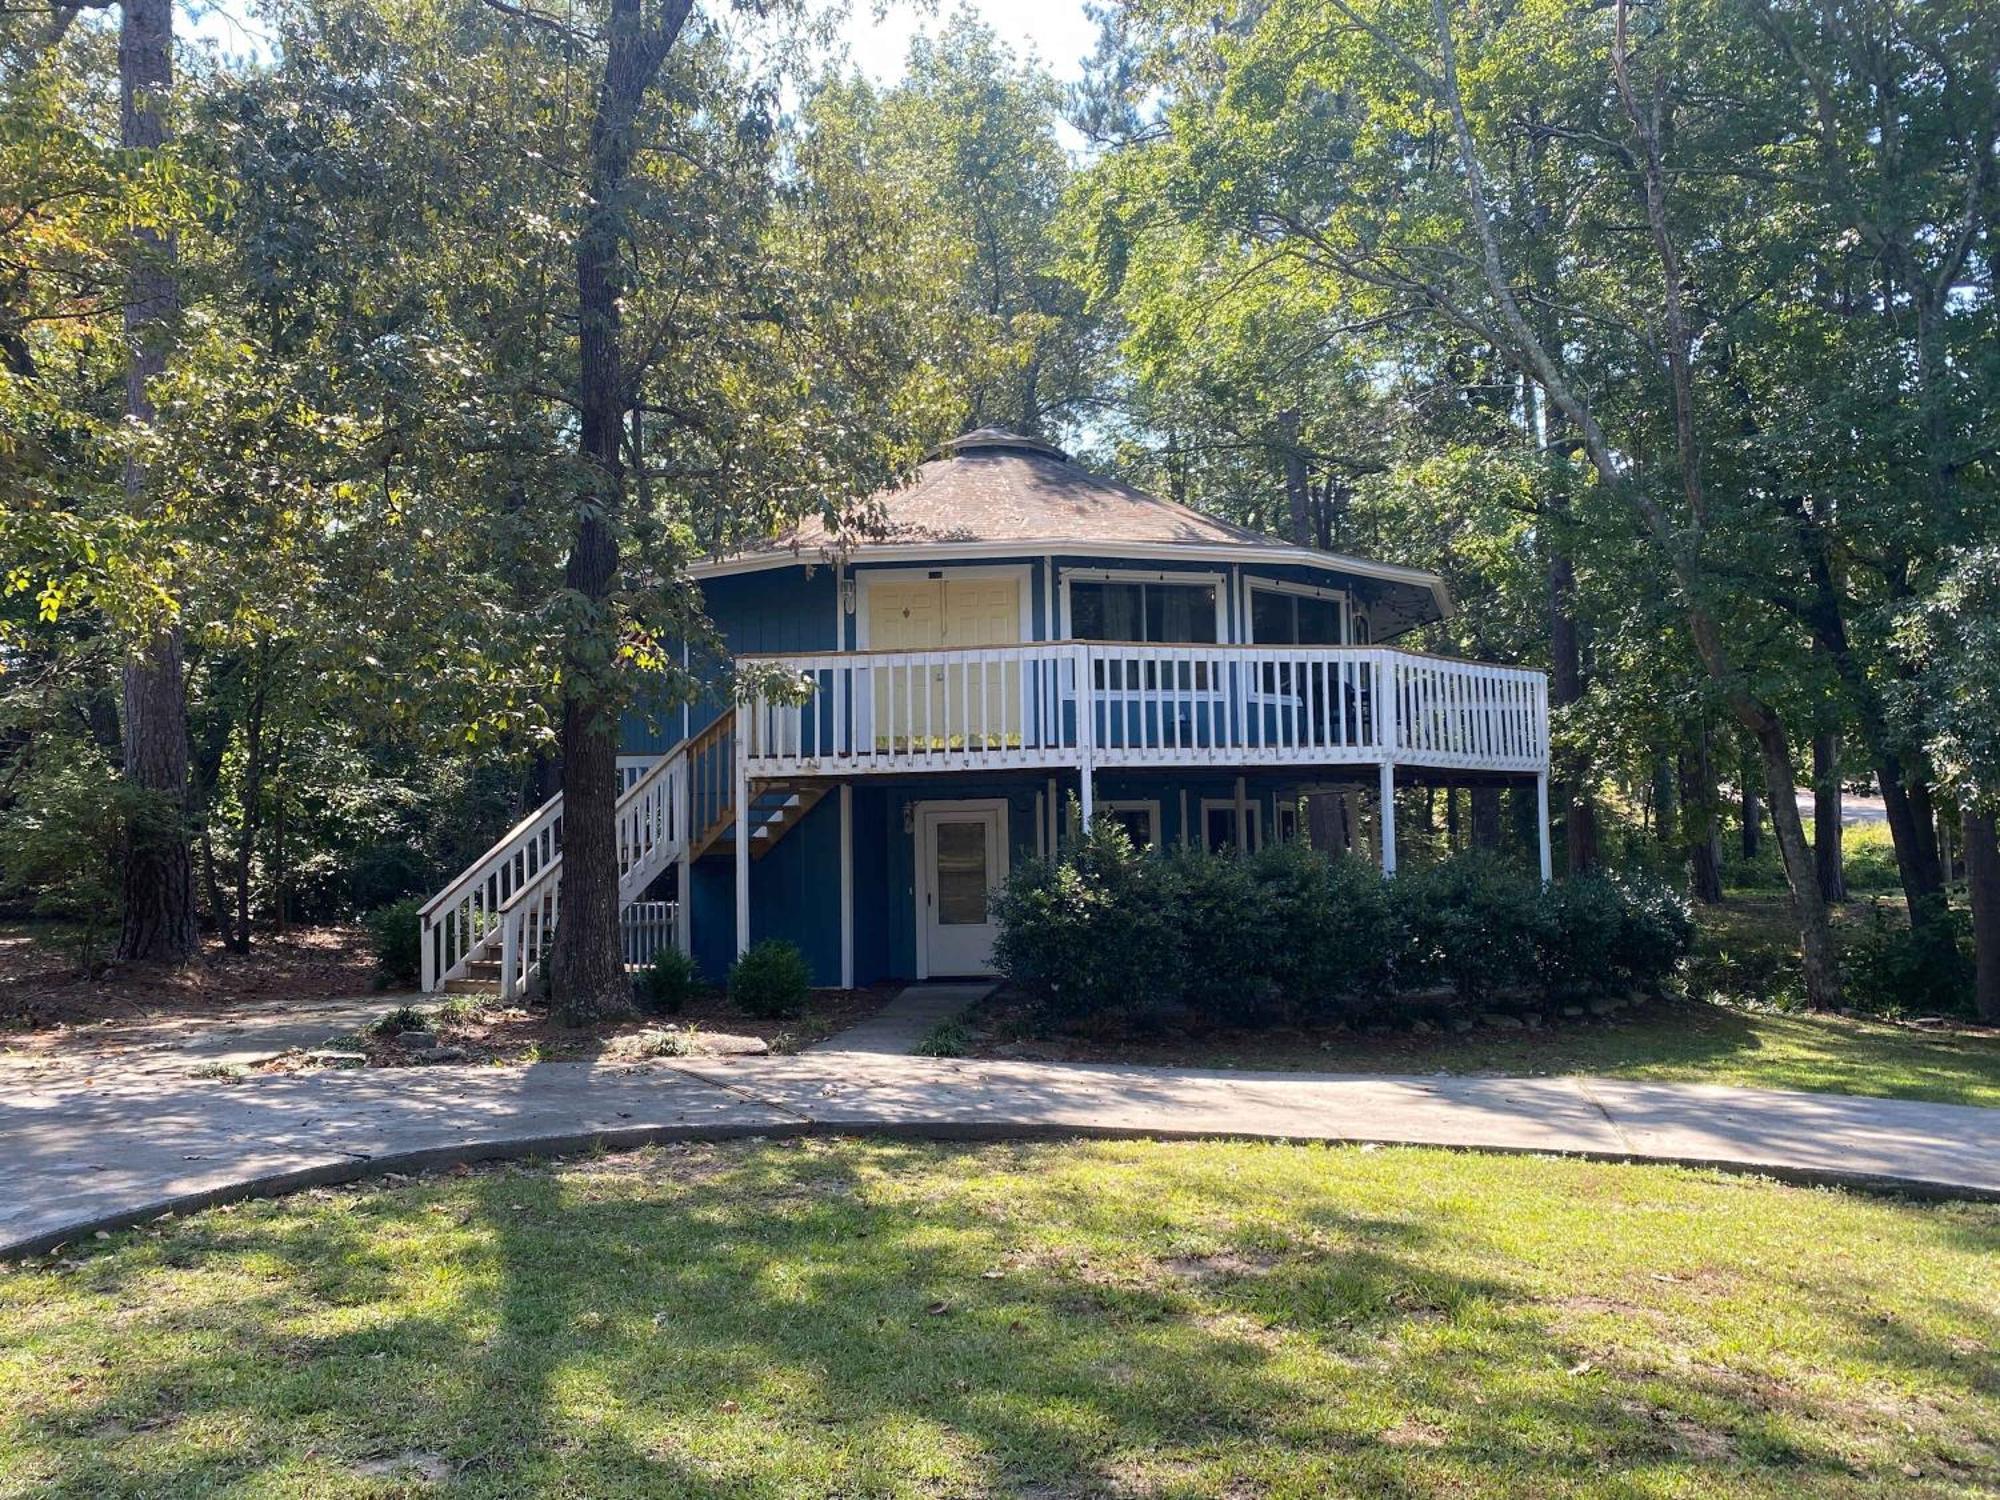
x=1140 y=820
x=1218 y=824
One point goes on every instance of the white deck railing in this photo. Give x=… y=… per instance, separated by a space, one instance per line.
x=1105 y=704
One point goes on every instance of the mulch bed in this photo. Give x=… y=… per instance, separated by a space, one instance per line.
x=504 y=1035
x=40 y=989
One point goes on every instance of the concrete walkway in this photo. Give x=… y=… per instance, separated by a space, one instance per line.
x=80 y=1152
x=896 y=1028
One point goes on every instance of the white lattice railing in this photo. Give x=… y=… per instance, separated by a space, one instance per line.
x=1109 y=704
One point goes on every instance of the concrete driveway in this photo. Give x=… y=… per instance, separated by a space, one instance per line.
x=82 y=1150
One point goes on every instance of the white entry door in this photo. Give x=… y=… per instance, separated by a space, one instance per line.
x=961 y=861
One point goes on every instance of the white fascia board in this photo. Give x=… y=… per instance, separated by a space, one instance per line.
x=1215 y=552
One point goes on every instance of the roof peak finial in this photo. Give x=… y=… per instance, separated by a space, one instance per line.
x=1000 y=439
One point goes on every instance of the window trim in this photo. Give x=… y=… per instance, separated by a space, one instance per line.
x=1216 y=581
x=1252 y=805
x=1021 y=573
x=1254 y=586
x=1151 y=808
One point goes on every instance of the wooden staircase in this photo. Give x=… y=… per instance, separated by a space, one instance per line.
x=489 y=928
x=776 y=808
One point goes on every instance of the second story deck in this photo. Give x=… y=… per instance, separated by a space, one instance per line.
x=1091 y=704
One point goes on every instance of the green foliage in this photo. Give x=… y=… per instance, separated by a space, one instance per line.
x=1093 y=933
x=1895 y=969
x=395 y=932
x=1223 y=925
x=61 y=849
x=771 y=981
x=1471 y=923
x=1334 y=933
x=945 y=1039
x=402 y=1018
x=668 y=983
x=1596 y=935
x=1109 y=936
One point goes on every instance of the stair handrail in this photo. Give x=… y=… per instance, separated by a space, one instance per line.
x=545 y=886
x=506 y=844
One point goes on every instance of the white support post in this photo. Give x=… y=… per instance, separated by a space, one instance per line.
x=1387 y=791
x=742 y=758
x=846 y=886
x=684 y=876
x=1542 y=824
x=1086 y=737
x=1055 y=814
x=1242 y=818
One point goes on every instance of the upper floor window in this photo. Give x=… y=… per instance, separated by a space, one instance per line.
x=1152 y=612
x=1281 y=617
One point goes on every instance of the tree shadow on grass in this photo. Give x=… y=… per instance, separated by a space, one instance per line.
x=757 y=1321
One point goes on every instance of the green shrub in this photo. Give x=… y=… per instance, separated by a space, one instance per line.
x=946 y=1039
x=1578 y=929
x=1655 y=934
x=771 y=980
x=1334 y=938
x=1091 y=935
x=402 y=1018
x=1895 y=969
x=395 y=932
x=667 y=984
x=62 y=844
x=1471 y=923
x=1222 y=918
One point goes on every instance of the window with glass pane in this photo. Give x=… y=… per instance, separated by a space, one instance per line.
x=1137 y=823
x=961 y=874
x=1152 y=613
x=1286 y=619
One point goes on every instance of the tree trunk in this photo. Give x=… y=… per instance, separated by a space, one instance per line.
x=1821 y=960
x=1297 y=501
x=1566 y=688
x=253 y=804
x=1701 y=829
x=1826 y=817
x=158 y=924
x=1753 y=816
x=587 y=968
x=1666 y=820
x=281 y=868
x=1982 y=879
x=1486 y=817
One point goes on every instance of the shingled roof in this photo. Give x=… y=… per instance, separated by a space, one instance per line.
x=996 y=486
x=999 y=492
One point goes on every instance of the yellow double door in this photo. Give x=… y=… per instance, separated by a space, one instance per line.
x=969 y=700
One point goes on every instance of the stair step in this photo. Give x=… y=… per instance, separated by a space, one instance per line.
x=483 y=968
x=472 y=986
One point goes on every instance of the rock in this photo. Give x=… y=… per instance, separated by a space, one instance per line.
x=333 y=1057
x=1421 y=1027
x=1606 y=1007
x=439 y=1054
x=1461 y=1024
x=416 y=1041
x=1573 y=1012
x=1533 y=1022
x=1499 y=1020
x=723 y=1044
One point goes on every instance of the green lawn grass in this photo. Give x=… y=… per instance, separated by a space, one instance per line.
x=1049 y=1320
x=1724 y=1029
x=1683 y=1041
